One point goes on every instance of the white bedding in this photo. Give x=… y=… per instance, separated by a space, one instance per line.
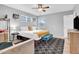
x=30 y=34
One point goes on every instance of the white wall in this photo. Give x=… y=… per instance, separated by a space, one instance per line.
x=76 y=10
x=55 y=23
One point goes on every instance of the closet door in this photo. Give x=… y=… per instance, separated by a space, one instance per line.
x=68 y=24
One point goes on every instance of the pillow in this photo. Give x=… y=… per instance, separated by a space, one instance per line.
x=47 y=37
x=41 y=33
x=2 y=30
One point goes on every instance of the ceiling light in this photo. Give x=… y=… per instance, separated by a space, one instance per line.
x=40 y=9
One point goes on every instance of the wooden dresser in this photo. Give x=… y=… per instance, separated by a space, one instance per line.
x=73 y=36
x=4 y=36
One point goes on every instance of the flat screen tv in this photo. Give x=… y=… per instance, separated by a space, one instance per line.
x=76 y=22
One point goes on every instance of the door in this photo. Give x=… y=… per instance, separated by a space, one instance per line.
x=68 y=23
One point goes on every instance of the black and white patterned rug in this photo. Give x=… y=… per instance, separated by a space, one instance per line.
x=54 y=46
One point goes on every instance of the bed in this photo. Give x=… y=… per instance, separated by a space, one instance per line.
x=35 y=34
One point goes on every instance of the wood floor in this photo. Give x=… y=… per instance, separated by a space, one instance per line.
x=66 y=45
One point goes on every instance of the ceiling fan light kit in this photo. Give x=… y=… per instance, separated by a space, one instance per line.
x=40 y=9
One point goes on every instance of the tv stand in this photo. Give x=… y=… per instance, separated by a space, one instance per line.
x=73 y=36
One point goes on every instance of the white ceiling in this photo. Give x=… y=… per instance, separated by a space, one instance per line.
x=54 y=8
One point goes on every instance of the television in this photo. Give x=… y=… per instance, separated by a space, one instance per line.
x=76 y=22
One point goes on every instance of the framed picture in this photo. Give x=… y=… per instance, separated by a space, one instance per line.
x=16 y=16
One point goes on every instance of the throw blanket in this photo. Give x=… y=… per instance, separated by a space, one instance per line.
x=42 y=33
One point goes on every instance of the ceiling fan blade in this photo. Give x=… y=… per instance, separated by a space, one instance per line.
x=45 y=7
x=40 y=5
x=44 y=10
x=34 y=8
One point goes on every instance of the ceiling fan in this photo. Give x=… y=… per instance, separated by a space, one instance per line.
x=41 y=7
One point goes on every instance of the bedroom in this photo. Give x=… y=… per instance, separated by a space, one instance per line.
x=26 y=21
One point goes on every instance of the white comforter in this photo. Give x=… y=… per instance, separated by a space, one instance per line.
x=30 y=34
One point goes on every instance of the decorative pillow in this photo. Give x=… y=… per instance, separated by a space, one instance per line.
x=41 y=33
x=2 y=30
x=47 y=37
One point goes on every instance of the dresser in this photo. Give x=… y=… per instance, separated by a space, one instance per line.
x=4 y=36
x=73 y=36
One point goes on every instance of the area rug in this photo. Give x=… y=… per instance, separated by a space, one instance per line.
x=53 y=46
